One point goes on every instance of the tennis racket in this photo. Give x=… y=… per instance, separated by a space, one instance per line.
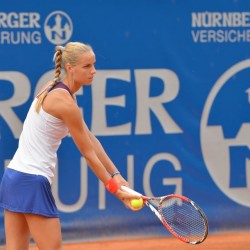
x=182 y=217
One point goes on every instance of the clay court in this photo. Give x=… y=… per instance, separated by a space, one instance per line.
x=225 y=241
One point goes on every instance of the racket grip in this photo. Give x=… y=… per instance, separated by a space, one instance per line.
x=130 y=191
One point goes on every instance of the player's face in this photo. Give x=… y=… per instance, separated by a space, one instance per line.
x=84 y=70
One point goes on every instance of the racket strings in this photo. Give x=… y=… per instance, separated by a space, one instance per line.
x=154 y=202
x=183 y=219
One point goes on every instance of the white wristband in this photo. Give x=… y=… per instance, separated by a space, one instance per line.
x=116 y=172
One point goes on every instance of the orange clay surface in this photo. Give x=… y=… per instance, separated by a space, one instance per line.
x=225 y=241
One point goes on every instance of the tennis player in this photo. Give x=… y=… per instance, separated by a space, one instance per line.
x=25 y=190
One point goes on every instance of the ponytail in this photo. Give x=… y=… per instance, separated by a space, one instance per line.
x=58 y=62
x=63 y=55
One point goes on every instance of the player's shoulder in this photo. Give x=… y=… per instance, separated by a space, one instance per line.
x=64 y=99
x=60 y=103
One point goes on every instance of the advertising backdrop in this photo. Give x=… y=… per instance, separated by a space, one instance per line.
x=170 y=104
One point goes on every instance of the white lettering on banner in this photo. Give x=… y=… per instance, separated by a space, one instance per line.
x=145 y=104
x=83 y=190
x=221 y=36
x=220 y=19
x=220 y=27
x=20 y=28
x=19 y=20
x=177 y=182
x=99 y=122
x=25 y=28
x=248 y=93
x=21 y=94
x=20 y=37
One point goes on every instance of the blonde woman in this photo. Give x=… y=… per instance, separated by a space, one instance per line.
x=25 y=191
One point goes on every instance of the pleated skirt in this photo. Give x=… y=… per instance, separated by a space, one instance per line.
x=27 y=193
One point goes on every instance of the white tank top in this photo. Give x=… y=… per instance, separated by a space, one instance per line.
x=38 y=144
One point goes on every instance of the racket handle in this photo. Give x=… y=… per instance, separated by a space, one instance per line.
x=130 y=191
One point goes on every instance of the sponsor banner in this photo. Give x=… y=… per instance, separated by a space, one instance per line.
x=170 y=104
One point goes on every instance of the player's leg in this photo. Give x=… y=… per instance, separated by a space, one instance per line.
x=45 y=231
x=16 y=230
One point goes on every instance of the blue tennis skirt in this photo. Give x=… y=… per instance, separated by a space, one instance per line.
x=27 y=193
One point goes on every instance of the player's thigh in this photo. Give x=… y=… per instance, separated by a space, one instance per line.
x=16 y=230
x=45 y=231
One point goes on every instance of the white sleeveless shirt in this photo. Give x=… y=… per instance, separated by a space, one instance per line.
x=38 y=144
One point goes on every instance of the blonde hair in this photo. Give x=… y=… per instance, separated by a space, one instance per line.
x=63 y=55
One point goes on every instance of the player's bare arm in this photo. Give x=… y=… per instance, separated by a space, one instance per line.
x=104 y=158
x=61 y=105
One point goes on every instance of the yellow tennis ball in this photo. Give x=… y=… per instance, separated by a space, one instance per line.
x=136 y=203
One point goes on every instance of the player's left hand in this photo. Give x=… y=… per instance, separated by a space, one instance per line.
x=126 y=198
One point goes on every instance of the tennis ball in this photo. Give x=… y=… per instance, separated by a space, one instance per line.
x=136 y=203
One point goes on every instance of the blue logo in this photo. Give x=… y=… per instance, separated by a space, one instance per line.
x=58 y=27
x=225 y=133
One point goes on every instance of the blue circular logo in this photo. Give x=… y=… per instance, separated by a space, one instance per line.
x=58 y=27
x=225 y=130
